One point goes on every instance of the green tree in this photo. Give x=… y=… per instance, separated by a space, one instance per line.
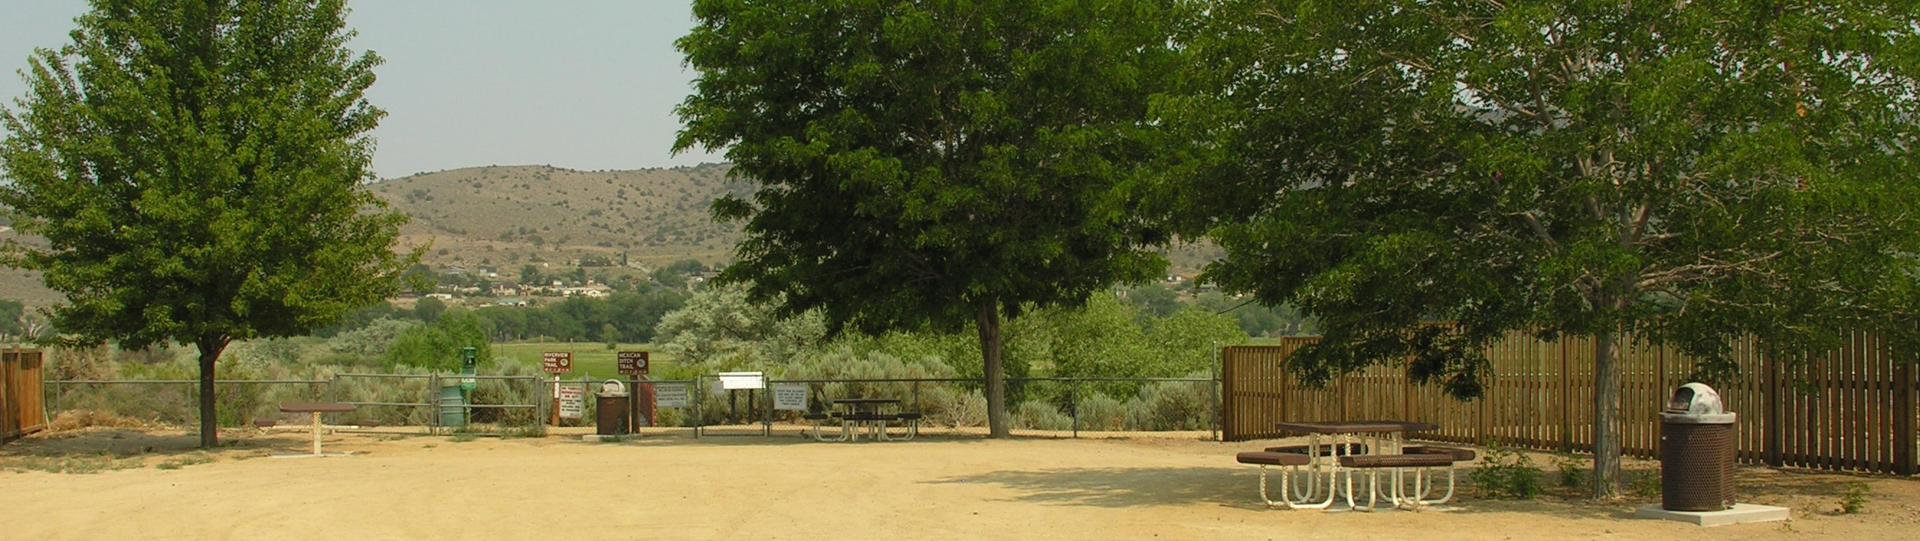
x=530 y=276
x=940 y=164
x=437 y=345
x=1673 y=173
x=723 y=328
x=428 y=309
x=1155 y=299
x=10 y=313
x=197 y=169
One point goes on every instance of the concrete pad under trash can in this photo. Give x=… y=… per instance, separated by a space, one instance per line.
x=1741 y=513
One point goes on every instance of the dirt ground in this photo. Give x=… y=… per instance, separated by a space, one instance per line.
x=153 y=484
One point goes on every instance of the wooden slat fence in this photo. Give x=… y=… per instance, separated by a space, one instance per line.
x=1850 y=409
x=22 y=406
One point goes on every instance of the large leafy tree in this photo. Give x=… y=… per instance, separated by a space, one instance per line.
x=1676 y=173
x=197 y=169
x=936 y=162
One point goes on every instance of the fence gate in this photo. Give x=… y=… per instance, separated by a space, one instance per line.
x=22 y=404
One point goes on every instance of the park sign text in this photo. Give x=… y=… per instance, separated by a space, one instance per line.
x=632 y=363
x=556 y=362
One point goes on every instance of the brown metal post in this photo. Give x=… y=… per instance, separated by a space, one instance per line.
x=1905 y=461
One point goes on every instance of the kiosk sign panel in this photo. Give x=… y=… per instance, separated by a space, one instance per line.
x=632 y=363
x=573 y=401
x=790 y=397
x=670 y=395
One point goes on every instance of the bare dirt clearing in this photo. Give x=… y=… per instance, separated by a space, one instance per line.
x=152 y=484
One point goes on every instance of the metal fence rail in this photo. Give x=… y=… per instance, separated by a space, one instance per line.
x=1044 y=407
x=1849 y=409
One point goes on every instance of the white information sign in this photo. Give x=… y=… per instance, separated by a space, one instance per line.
x=573 y=402
x=669 y=395
x=742 y=380
x=790 y=397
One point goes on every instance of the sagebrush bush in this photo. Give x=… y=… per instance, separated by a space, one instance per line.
x=1172 y=405
x=1101 y=412
x=1040 y=415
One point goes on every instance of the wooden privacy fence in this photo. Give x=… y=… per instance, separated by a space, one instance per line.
x=1851 y=409
x=22 y=407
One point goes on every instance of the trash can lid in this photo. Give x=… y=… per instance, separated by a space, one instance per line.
x=613 y=387
x=1700 y=418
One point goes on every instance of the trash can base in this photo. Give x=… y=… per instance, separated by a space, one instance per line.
x=1741 y=513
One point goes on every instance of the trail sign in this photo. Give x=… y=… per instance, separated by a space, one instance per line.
x=556 y=362
x=632 y=363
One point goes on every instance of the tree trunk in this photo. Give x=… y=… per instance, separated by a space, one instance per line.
x=988 y=320
x=209 y=420
x=1606 y=416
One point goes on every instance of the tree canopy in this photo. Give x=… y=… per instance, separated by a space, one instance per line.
x=197 y=169
x=931 y=163
x=1677 y=173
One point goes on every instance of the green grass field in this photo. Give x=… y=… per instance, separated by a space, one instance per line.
x=589 y=358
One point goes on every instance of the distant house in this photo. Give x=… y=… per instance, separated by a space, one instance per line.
x=441 y=296
x=594 y=291
x=511 y=302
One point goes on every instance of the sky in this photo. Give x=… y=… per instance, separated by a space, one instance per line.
x=579 y=84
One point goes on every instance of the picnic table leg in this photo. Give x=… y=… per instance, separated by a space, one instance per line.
x=316 y=433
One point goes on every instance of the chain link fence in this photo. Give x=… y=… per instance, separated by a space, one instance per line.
x=525 y=405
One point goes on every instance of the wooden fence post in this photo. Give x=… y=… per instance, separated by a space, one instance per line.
x=1773 y=427
x=1904 y=460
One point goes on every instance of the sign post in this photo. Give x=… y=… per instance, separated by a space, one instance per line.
x=556 y=363
x=634 y=365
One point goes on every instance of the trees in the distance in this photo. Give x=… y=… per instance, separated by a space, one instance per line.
x=196 y=168
x=1675 y=173
x=946 y=164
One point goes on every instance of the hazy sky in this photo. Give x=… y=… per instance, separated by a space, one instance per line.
x=581 y=84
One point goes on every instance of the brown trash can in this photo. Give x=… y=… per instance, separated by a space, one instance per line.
x=1697 y=443
x=610 y=419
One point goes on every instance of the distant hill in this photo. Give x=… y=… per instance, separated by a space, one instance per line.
x=505 y=217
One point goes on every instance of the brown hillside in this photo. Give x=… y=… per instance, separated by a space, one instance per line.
x=506 y=216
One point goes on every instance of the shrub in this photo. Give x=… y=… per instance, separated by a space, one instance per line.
x=1040 y=415
x=1573 y=470
x=1172 y=405
x=1506 y=474
x=1098 y=411
x=1854 y=498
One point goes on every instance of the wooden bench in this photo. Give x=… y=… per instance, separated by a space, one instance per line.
x=817 y=417
x=1398 y=465
x=1292 y=462
x=1325 y=450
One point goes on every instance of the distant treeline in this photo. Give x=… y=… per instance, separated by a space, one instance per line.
x=630 y=317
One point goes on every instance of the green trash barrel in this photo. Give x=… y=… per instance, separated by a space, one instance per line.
x=453 y=405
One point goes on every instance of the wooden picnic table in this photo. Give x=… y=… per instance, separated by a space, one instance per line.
x=316 y=408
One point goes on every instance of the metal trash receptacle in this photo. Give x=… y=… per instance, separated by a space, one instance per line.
x=453 y=404
x=610 y=419
x=1697 y=443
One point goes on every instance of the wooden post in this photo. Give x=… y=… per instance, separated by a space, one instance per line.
x=1773 y=426
x=1904 y=460
x=1566 y=398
